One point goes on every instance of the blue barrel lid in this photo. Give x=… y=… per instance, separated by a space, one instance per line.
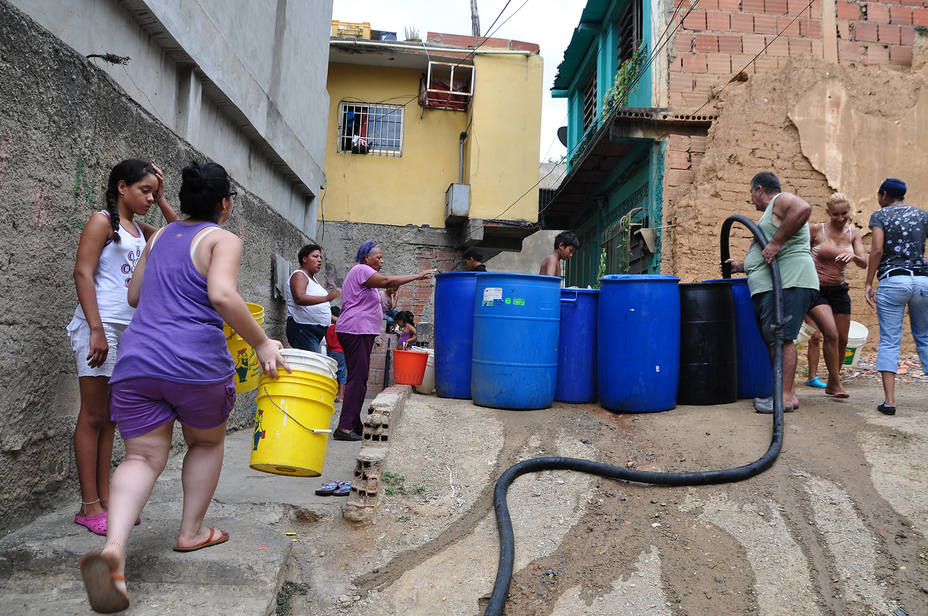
x=452 y=274
x=572 y=290
x=638 y=278
x=516 y=275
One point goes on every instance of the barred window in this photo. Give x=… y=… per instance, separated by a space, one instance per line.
x=369 y=128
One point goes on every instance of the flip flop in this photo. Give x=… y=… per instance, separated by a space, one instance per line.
x=839 y=396
x=328 y=488
x=99 y=573
x=343 y=489
x=816 y=383
x=94 y=523
x=222 y=538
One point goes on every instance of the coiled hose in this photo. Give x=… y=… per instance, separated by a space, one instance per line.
x=694 y=478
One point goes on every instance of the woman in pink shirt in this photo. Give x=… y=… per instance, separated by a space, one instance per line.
x=358 y=326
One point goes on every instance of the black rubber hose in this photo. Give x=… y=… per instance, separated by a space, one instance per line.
x=694 y=478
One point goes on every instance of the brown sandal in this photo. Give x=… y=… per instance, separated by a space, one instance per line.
x=221 y=537
x=99 y=573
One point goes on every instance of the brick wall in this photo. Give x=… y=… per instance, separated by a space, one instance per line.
x=719 y=38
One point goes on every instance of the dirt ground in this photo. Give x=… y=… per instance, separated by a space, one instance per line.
x=836 y=527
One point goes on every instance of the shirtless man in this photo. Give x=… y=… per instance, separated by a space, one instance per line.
x=833 y=245
x=565 y=245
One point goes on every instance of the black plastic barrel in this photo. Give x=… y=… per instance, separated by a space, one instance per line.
x=708 y=347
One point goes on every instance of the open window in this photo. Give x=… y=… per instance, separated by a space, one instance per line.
x=447 y=86
x=629 y=30
x=370 y=128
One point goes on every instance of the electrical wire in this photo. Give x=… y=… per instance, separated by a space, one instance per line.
x=659 y=45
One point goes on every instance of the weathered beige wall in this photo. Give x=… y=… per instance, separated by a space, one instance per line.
x=873 y=126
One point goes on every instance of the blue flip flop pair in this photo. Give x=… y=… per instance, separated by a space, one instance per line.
x=334 y=488
x=816 y=383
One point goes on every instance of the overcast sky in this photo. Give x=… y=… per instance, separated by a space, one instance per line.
x=550 y=23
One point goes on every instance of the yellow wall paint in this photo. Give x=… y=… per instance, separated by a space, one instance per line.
x=409 y=189
x=505 y=134
x=501 y=153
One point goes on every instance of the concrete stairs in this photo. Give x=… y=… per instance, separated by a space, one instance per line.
x=39 y=563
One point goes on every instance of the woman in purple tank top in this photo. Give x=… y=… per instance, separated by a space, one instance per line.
x=173 y=364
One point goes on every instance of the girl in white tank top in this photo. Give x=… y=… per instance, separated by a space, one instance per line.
x=110 y=246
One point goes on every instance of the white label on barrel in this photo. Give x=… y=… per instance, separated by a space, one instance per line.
x=657 y=368
x=491 y=293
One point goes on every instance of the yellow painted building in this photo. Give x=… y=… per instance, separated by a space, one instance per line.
x=390 y=159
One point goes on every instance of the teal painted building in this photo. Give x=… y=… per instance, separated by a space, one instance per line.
x=616 y=140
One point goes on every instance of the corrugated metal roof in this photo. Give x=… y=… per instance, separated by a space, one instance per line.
x=585 y=33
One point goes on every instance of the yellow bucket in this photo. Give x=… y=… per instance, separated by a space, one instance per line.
x=247 y=368
x=293 y=417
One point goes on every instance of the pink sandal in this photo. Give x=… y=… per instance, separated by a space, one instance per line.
x=94 y=523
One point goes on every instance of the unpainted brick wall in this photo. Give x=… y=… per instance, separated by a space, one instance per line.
x=720 y=38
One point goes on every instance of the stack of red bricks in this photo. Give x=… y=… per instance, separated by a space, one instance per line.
x=721 y=38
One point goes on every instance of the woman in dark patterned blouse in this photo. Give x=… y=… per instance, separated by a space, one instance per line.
x=897 y=259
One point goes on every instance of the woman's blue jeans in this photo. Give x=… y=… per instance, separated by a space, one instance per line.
x=892 y=296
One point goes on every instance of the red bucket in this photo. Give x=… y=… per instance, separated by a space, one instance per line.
x=409 y=367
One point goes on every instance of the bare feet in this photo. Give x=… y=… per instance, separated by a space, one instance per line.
x=837 y=392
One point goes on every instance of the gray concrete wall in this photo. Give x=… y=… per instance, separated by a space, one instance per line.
x=535 y=248
x=64 y=123
x=241 y=80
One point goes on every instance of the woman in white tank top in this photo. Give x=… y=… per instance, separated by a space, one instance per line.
x=110 y=246
x=308 y=313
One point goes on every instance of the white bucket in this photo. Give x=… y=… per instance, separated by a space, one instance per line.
x=428 y=380
x=805 y=332
x=856 y=338
x=299 y=359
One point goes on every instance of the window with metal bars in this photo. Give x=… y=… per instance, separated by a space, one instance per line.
x=370 y=128
x=629 y=27
x=590 y=106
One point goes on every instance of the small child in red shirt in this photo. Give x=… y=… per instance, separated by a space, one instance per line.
x=335 y=351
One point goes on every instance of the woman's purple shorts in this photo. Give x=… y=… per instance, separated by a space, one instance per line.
x=138 y=406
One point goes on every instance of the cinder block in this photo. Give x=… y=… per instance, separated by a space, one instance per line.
x=718 y=21
x=695 y=21
x=683 y=42
x=920 y=17
x=680 y=82
x=811 y=28
x=730 y=5
x=706 y=43
x=730 y=43
x=865 y=32
x=800 y=46
x=900 y=55
x=907 y=36
x=753 y=44
x=694 y=63
x=765 y=24
x=877 y=54
x=742 y=23
x=798 y=6
x=879 y=13
x=901 y=15
x=788 y=26
x=775 y=7
x=889 y=35
x=719 y=63
x=848 y=10
x=365 y=482
x=849 y=51
x=753 y=6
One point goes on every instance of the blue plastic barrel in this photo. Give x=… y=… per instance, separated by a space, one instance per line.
x=755 y=374
x=516 y=322
x=576 y=347
x=639 y=342
x=454 y=333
